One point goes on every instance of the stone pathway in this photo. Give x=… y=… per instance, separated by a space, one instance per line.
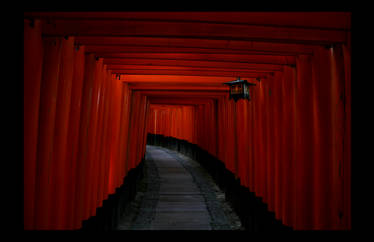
x=177 y=194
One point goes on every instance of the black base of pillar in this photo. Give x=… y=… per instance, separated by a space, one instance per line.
x=108 y=216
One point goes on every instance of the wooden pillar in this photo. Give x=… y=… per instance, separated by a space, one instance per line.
x=289 y=145
x=32 y=74
x=304 y=143
x=73 y=136
x=82 y=158
x=322 y=163
x=47 y=111
x=59 y=169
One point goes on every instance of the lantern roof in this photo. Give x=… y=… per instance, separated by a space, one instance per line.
x=238 y=81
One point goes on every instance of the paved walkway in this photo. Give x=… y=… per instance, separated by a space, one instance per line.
x=177 y=194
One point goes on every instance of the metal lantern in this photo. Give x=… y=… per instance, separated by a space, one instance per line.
x=239 y=89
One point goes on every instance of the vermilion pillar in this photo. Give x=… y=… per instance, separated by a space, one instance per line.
x=289 y=137
x=269 y=137
x=73 y=136
x=230 y=145
x=132 y=145
x=141 y=129
x=32 y=72
x=47 y=111
x=338 y=97
x=259 y=141
x=117 y=95
x=104 y=149
x=278 y=132
x=99 y=132
x=242 y=134
x=59 y=195
x=304 y=143
x=92 y=139
x=124 y=129
x=102 y=159
x=347 y=137
x=250 y=119
x=82 y=158
x=111 y=165
x=115 y=112
x=147 y=111
x=322 y=165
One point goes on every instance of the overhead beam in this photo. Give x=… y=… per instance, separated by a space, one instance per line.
x=173 y=105
x=177 y=84
x=180 y=88
x=324 y=20
x=102 y=51
x=144 y=28
x=191 y=45
x=166 y=106
x=121 y=42
x=232 y=74
x=173 y=102
x=177 y=101
x=116 y=64
x=173 y=79
x=262 y=59
x=184 y=94
x=180 y=68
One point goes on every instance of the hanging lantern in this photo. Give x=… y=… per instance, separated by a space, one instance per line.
x=239 y=89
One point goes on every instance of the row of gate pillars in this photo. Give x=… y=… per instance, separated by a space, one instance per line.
x=253 y=213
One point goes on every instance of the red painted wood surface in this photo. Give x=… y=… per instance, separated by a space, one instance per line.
x=73 y=136
x=80 y=199
x=59 y=169
x=347 y=156
x=32 y=72
x=99 y=144
x=47 y=117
